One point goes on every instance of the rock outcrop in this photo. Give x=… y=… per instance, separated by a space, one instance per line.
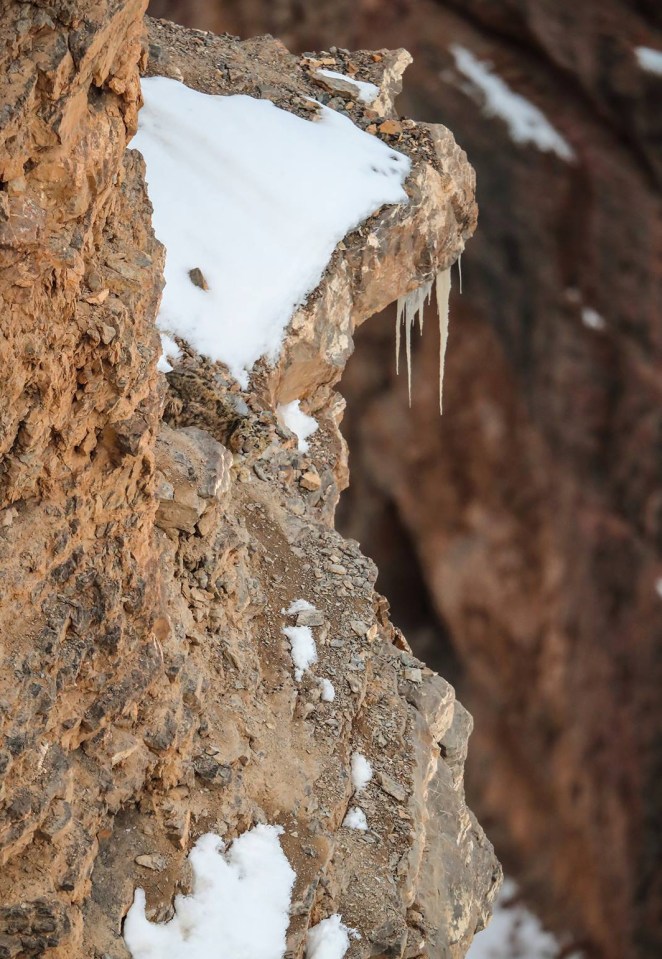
x=533 y=508
x=153 y=535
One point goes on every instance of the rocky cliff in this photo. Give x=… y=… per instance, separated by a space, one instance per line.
x=154 y=532
x=532 y=510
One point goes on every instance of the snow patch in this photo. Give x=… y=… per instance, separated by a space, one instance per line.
x=355 y=819
x=298 y=423
x=368 y=92
x=592 y=319
x=410 y=307
x=328 y=693
x=525 y=122
x=298 y=606
x=250 y=202
x=303 y=649
x=649 y=60
x=361 y=772
x=169 y=351
x=329 y=939
x=239 y=906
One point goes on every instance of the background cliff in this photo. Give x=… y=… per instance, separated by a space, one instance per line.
x=158 y=535
x=531 y=513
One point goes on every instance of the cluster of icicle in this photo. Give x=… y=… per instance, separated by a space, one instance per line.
x=411 y=306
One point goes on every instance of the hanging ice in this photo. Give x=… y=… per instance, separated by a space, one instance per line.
x=413 y=305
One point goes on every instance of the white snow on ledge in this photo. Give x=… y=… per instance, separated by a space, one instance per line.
x=649 y=60
x=253 y=199
x=525 y=122
x=367 y=92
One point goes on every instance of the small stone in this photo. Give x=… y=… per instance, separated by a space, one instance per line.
x=310 y=617
x=108 y=333
x=96 y=299
x=390 y=127
x=393 y=788
x=197 y=278
x=414 y=675
x=358 y=627
x=337 y=569
x=310 y=480
x=153 y=861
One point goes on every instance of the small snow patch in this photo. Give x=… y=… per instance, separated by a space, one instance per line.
x=592 y=319
x=298 y=606
x=525 y=122
x=303 y=649
x=329 y=939
x=368 y=92
x=328 y=691
x=169 y=351
x=649 y=60
x=361 y=772
x=250 y=202
x=298 y=423
x=239 y=905
x=355 y=819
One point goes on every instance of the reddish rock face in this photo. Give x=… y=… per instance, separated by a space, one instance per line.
x=534 y=507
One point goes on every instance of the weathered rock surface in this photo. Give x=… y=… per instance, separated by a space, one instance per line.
x=533 y=508
x=152 y=535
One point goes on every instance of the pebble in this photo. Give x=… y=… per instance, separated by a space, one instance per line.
x=153 y=861
x=414 y=675
x=393 y=788
x=310 y=617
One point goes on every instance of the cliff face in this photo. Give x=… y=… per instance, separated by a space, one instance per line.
x=153 y=534
x=533 y=507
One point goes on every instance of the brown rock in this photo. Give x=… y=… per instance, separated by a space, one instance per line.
x=146 y=686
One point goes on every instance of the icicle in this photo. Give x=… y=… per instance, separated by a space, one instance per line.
x=443 y=290
x=398 y=317
x=459 y=270
x=408 y=340
x=409 y=307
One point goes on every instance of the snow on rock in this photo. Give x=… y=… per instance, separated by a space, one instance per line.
x=368 y=92
x=361 y=772
x=250 y=202
x=303 y=649
x=514 y=933
x=170 y=351
x=355 y=819
x=298 y=606
x=649 y=59
x=328 y=691
x=525 y=122
x=329 y=939
x=238 y=909
x=298 y=423
x=592 y=319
